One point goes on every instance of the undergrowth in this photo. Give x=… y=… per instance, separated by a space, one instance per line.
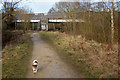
x=93 y=59
x=15 y=57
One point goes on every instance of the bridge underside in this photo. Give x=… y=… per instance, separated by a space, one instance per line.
x=64 y=20
x=43 y=25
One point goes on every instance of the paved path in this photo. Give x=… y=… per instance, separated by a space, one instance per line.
x=50 y=65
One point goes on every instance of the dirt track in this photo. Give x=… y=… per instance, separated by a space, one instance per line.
x=50 y=65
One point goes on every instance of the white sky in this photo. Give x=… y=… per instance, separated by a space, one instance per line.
x=43 y=6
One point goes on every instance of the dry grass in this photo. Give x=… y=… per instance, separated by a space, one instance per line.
x=95 y=59
x=15 y=56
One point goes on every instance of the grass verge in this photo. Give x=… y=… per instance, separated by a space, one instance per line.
x=15 y=57
x=90 y=58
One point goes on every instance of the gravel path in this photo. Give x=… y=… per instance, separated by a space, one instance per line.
x=50 y=64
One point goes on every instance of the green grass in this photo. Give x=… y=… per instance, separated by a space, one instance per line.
x=15 y=58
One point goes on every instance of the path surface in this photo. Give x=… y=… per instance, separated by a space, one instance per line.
x=50 y=65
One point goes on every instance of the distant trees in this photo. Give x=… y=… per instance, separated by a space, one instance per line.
x=11 y=11
x=24 y=14
x=8 y=13
x=100 y=22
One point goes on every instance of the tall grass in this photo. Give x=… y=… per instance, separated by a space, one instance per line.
x=15 y=57
x=90 y=58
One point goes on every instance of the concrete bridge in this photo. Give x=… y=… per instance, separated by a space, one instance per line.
x=41 y=21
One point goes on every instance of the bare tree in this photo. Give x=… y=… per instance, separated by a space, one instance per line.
x=8 y=11
x=100 y=22
x=112 y=24
x=24 y=14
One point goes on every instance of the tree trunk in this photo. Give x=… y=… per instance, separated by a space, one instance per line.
x=112 y=24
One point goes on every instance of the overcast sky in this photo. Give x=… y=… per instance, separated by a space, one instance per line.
x=43 y=6
x=37 y=6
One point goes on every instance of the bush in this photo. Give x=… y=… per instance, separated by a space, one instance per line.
x=8 y=36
